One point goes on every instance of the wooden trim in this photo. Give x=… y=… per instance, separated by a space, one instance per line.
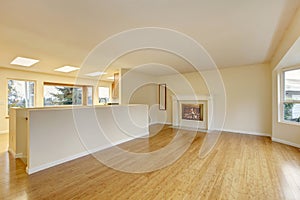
x=115 y=86
x=162 y=96
x=65 y=84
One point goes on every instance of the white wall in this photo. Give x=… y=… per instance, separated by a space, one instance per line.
x=39 y=79
x=57 y=135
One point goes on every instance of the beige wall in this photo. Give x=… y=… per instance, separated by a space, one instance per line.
x=283 y=132
x=290 y=36
x=185 y=84
x=131 y=81
x=181 y=84
x=248 y=93
x=39 y=79
x=141 y=88
x=146 y=94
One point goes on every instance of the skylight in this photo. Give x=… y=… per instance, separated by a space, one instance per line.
x=66 y=69
x=25 y=62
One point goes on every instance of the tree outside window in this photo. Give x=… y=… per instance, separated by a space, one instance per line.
x=20 y=93
x=60 y=94
x=291 y=95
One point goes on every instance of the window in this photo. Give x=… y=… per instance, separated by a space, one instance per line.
x=89 y=96
x=20 y=93
x=103 y=93
x=63 y=94
x=291 y=95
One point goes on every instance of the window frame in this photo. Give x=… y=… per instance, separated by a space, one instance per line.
x=98 y=94
x=84 y=93
x=281 y=98
x=87 y=97
x=19 y=79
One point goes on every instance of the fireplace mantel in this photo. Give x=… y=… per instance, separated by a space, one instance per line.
x=177 y=121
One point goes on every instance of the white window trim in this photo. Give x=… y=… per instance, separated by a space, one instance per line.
x=281 y=100
x=109 y=91
x=19 y=79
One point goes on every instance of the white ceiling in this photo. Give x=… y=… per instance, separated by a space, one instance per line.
x=234 y=32
x=153 y=62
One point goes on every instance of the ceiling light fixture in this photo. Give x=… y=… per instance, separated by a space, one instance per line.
x=110 y=78
x=25 y=62
x=66 y=69
x=96 y=74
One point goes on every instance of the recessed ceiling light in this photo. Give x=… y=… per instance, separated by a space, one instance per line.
x=25 y=62
x=66 y=69
x=96 y=73
x=110 y=78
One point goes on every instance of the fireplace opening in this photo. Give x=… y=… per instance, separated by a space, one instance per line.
x=192 y=112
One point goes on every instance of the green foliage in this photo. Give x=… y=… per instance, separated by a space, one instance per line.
x=288 y=109
x=14 y=99
x=67 y=96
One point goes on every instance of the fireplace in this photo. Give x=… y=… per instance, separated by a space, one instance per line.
x=192 y=112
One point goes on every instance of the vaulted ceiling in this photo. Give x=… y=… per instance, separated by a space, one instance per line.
x=63 y=32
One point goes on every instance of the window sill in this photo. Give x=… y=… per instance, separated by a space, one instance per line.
x=290 y=123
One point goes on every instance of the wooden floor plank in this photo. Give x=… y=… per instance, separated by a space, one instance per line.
x=239 y=167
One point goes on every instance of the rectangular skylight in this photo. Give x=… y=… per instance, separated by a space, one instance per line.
x=96 y=73
x=25 y=62
x=66 y=69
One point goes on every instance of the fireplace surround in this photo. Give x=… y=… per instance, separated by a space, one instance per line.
x=191 y=111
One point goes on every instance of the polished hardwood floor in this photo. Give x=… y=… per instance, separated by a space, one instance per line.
x=239 y=167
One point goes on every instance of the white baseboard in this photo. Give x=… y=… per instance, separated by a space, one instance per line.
x=54 y=163
x=116 y=143
x=246 y=132
x=165 y=123
x=190 y=128
x=285 y=142
x=225 y=130
x=87 y=152
x=4 y=132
